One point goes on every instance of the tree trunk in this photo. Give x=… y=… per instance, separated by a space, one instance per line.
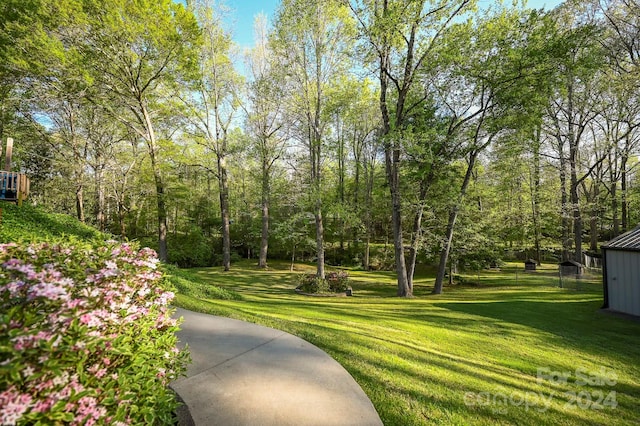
x=162 y=212
x=593 y=219
x=315 y=146
x=566 y=224
x=80 y=200
x=100 y=198
x=161 y=204
x=624 y=204
x=575 y=200
x=341 y=180
x=356 y=194
x=121 y=219
x=79 y=162
x=393 y=176
x=264 y=238
x=319 y=241
x=365 y=260
x=577 y=216
x=369 y=177
x=453 y=215
x=535 y=197
x=416 y=234
x=224 y=212
x=392 y=164
x=593 y=232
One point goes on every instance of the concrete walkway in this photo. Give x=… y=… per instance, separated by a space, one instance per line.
x=246 y=374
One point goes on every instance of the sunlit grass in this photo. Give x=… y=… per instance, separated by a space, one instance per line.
x=418 y=358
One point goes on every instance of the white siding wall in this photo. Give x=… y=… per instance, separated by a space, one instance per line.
x=623 y=278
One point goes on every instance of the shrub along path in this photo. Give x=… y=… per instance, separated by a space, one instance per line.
x=246 y=374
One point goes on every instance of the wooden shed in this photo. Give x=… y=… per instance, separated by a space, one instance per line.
x=571 y=267
x=621 y=273
x=530 y=265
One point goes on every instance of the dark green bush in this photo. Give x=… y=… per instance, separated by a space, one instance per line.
x=334 y=282
x=338 y=281
x=190 y=250
x=311 y=283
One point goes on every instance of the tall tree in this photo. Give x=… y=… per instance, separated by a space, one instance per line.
x=265 y=120
x=574 y=106
x=491 y=63
x=311 y=39
x=212 y=103
x=138 y=51
x=402 y=36
x=621 y=39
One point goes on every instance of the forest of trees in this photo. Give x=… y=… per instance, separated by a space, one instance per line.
x=380 y=133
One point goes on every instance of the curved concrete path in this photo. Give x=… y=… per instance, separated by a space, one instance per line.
x=246 y=374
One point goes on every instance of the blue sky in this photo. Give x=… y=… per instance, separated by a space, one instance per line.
x=244 y=11
x=242 y=16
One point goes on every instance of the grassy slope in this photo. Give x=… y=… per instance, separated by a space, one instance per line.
x=31 y=224
x=417 y=358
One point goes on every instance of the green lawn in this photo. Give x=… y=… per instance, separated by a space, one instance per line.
x=469 y=356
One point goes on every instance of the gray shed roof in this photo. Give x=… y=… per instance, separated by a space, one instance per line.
x=627 y=241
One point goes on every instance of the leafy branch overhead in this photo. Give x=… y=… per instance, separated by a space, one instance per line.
x=395 y=124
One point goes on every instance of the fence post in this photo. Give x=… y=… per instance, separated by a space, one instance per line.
x=560 y=275
x=7 y=155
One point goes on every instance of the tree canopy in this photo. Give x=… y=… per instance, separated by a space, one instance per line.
x=380 y=134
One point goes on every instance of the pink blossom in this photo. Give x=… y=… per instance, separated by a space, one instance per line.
x=13 y=405
x=91 y=320
x=44 y=335
x=165 y=298
x=74 y=303
x=107 y=273
x=126 y=286
x=4 y=248
x=48 y=291
x=28 y=371
x=44 y=385
x=43 y=406
x=62 y=379
x=14 y=288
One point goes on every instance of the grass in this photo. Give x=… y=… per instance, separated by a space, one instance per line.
x=469 y=356
x=31 y=224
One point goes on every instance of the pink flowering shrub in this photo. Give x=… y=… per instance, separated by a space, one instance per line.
x=86 y=336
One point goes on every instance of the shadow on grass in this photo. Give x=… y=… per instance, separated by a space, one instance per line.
x=579 y=323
